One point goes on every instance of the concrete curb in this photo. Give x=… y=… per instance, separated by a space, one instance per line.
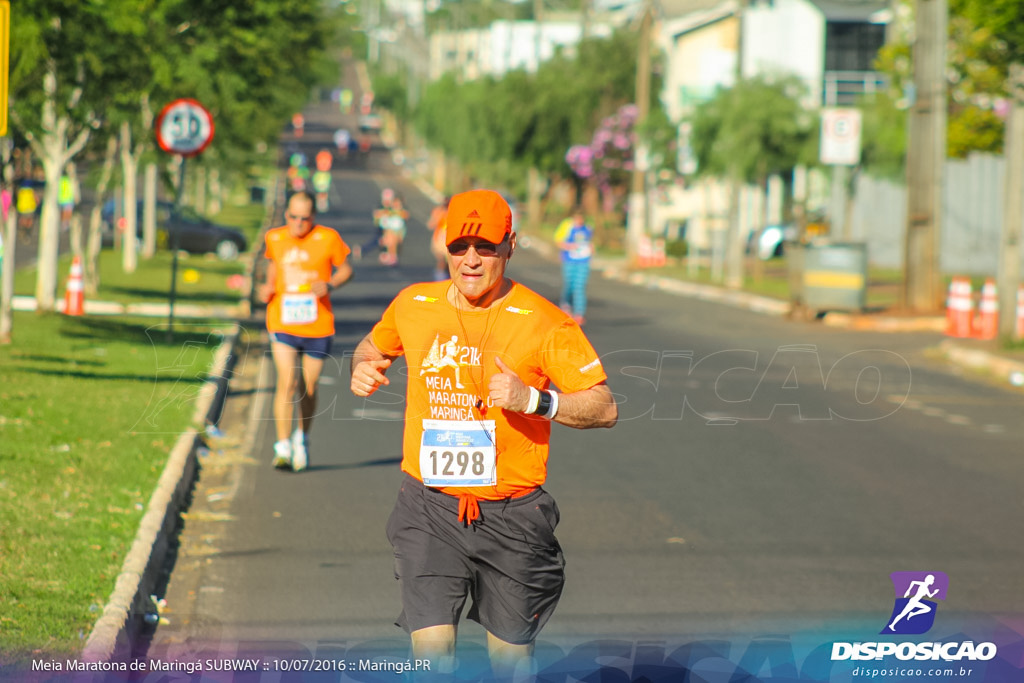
x=115 y=632
x=1011 y=370
x=28 y=303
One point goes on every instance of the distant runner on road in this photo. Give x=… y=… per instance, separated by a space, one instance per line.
x=307 y=261
x=472 y=518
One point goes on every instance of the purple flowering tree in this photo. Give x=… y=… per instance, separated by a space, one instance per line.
x=606 y=163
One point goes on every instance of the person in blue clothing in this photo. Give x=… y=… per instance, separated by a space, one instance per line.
x=575 y=239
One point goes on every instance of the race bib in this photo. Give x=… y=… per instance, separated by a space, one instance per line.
x=298 y=309
x=458 y=453
x=582 y=251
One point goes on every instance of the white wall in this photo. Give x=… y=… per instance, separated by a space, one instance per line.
x=503 y=47
x=788 y=38
x=697 y=62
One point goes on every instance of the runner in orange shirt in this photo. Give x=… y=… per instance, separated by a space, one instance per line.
x=437 y=225
x=482 y=352
x=307 y=261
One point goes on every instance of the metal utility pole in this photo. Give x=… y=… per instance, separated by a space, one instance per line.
x=1008 y=275
x=584 y=19
x=636 y=227
x=926 y=157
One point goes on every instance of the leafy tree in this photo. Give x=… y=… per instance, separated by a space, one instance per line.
x=57 y=90
x=977 y=62
x=999 y=20
x=747 y=133
x=499 y=128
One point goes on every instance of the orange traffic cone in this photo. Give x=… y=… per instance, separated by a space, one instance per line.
x=659 y=258
x=74 y=292
x=988 y=312
x=644 y=252
x=959 y=308
x=1020 y=312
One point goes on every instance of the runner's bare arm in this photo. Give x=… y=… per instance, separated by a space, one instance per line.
x=588 y=409
x=341 y=275
x=266 y=290
x=368 y=368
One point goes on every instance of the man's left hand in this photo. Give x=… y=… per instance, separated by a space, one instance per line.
x=319 y=288
x=506 y=390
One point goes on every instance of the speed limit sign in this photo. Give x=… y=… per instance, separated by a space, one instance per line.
x=184 y=127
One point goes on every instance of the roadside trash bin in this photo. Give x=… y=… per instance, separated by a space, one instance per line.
x=828 y=276
x=257 y=194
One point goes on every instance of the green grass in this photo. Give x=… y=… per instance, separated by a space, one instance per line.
x=202 y=279
x=89 y=410
x=151 y=282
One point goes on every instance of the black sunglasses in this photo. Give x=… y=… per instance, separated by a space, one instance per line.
x=483 y=249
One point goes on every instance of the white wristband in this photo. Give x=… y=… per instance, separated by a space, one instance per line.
x=531 y=405
x=554 y=405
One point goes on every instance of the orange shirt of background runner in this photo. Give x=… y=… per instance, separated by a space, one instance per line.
x=299 y=263
x=529 y=333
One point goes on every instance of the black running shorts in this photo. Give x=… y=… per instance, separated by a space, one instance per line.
x=508 y=560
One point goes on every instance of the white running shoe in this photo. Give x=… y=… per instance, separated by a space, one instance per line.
x=300 y=458
x=283 y=454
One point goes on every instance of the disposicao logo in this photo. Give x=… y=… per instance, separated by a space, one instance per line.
x=914 y=610
x=913 y=613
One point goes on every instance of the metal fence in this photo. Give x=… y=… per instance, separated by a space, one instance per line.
x=971 y=222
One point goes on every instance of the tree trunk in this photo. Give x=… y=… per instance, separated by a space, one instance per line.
x=734 y=244
x=200 y=189
x=54 y=151
x=49 y=228
x=10 y=229
x=130 y=168
x=149 y=211
x=215 y=204
x=94 y=242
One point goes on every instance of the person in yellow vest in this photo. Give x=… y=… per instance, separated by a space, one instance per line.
x=67 y=195
x=25 y=203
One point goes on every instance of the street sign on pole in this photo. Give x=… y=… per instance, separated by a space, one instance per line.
x=5 y=66
x=840 y=136
x=184 y=127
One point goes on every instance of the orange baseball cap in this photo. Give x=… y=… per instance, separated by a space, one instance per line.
x=478 y=213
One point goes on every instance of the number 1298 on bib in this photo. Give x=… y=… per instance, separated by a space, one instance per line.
x=456 y=453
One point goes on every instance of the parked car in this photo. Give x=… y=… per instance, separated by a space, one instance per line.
x=111 y=213
x=771 y=241
x=183 y=228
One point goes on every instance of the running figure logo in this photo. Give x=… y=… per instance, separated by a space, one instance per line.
x=443 y=356
x=914 y=612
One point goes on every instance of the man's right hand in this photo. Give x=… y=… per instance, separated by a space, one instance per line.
x=368 y=376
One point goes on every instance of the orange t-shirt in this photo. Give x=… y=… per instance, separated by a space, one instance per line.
x=450 y=358
x=300 y=262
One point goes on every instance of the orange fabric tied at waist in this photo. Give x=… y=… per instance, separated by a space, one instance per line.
x=469 y=508
x=469 y=504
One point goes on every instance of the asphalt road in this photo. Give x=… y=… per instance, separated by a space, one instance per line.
x=765 y=479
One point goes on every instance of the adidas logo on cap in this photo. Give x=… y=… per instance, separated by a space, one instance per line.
x=473 y=214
